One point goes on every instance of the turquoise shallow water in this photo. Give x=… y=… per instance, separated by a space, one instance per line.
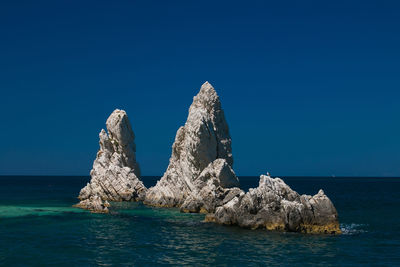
x=39 y=227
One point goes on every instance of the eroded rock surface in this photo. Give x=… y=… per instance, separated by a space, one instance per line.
x=215 y=186
x=275 y=206
x=198 y=144
x=115 y=172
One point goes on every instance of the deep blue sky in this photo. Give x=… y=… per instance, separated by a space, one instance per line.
x=308 y=88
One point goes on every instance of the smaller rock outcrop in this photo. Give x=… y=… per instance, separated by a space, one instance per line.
x=115 y=172
x=275 y=206
x=94 y=203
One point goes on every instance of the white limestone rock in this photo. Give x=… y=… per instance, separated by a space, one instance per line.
x=95 y=204
x=216 y=185
x=203 y=139
x=115 y=172
x=275 y=206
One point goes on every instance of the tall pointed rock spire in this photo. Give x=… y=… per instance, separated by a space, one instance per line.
x=203 y=139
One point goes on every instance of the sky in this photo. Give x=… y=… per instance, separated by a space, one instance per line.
x=309 y=88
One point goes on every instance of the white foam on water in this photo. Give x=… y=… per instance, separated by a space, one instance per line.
x=353 y=228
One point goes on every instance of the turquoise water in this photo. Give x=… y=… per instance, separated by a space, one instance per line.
x=39 y=227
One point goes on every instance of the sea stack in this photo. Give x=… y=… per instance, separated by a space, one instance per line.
x=275 y=206
x=115 y=173
x=200 y=172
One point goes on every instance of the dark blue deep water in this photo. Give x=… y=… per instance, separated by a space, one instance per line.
x=39 y=227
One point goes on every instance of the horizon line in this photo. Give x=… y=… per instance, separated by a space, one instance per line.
x=277 y=176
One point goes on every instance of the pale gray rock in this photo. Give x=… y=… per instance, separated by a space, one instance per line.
x=115 y=172
x=216 y=185
x=95 y=204
x=275 y=206
x=203 y=139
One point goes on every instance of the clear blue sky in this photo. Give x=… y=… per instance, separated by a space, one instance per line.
x=308 y=87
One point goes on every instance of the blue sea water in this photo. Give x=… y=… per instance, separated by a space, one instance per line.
x=39 y=227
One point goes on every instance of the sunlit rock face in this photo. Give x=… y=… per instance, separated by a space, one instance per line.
x=275 y=206
x=198 y=144
x=115 y=172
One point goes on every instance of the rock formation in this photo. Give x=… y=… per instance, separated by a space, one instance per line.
x=275 y=206
x=200 y=178
x=115 y=172
x=201 y=162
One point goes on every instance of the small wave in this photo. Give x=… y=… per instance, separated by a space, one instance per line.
x=353 y=228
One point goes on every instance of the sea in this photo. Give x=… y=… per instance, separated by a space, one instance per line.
x=39 y=227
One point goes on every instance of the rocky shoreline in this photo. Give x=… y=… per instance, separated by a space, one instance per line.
x=200 y=177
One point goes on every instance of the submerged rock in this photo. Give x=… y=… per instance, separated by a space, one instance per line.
x=275 y=206
x=115 y=172
x=201 y=161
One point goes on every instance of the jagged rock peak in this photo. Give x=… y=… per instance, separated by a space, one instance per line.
x=203 y=139
x=207 y=99
x=115 y=172
x=206 y=113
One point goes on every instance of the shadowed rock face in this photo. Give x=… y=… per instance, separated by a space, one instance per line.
x=202 y=140
x=115 y=172
x=275 y=206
